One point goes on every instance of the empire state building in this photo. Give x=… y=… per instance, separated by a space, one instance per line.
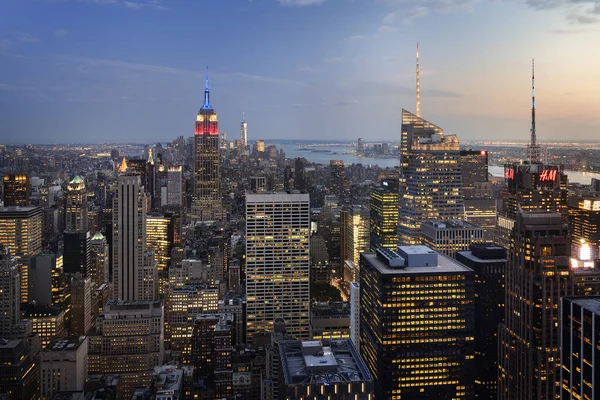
x=207 y=191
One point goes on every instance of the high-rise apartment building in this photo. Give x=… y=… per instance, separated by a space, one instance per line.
x=277 y=261
x=430 y=177
x=584 y=224
x=537 y=276
x=450 y=236
x=133 y=275
x=489 y=263
x=63 y=366
x=580 y=354
x=99 y=259
x=128 y=340
x=417 y=324
x=16 y=190
x=207 y=183
x=76 y=207
x=354 y=234
x=21 y=231
x=384 y=215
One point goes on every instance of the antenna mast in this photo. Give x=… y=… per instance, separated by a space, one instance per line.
x=418 y=85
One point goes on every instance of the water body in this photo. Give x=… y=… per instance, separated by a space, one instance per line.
x=345 y=153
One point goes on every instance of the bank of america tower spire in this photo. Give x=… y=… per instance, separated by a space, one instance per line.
x=207 y=194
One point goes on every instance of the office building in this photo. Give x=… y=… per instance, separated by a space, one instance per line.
x=537 y=276
x=338 y=184
x=354 y=233
x=182 y=304
x=474 y=167
x=128 y=340
x=489 y=263
x=580 y=354
x=211 y=352
x=175 y=186
x=244 y=134
x=10 y=293
x=277 y=261
x=16 y=190
x=584 y=224
x=48 y=283
x=76 y=207
x=21 y=231
x=430 y=177
x=417 y=325
x=133 y=276
x=481 y=211
x=99 y=259
x=81 y=305
x=450 y=236
x=18 y=370
x=384 y=215
x=48 y=322
x=160 y=231
x=207 y=181
x=63 y=366
x=330 y=320
x=76 y=253
x=320 y=266
x=315 y=369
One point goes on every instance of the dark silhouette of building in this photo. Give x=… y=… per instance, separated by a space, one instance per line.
x=77 y=253
x=16 y=190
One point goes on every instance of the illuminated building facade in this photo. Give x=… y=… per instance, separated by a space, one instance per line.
x=489 y=263
x=277 y=261
x=207 y=181
x=48 y=322
x=354 y=232
x=417 y=323
x=482 y=212
x=244 y=134
x=474 y=167
x=16 y=190
x=182 y=304
x=159 y=239
x=63 y=366
x=21 y=231
x=330 y=320
x=580 y=354
x=338 y=178
x=430 y=177
x=99 y=259
x=450 y=236
x=384 y=215
x=133 y=275
x=537 y=276
x=584 y=224
x=211 y=352
x=128 y=340
x=175 y=186
x=76 y=207
x=327 y=369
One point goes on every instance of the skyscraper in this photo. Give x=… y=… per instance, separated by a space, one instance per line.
x=338 y=179
x=16 y=190
x=580 y=354
x=384 y=215
x=174 y=186
x=99 y=259
x=417 y=324
x=10 y=293
x=159 y=239
x=537 y=277
x=430 y=177
x=355 y=235
x=21 y=231
x=76 y=208
x=277 y=261
x=450 y=236
x=77 y=252
x=584 y=224
x=207 y=187
x=244 y=134
x=474 y=167
x=133 y=277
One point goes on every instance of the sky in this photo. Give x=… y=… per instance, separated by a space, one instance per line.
x=95 y=71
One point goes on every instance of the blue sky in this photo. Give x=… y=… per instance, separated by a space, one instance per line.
x=117 y=70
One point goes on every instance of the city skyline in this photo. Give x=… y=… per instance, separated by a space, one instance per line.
x=91 y=71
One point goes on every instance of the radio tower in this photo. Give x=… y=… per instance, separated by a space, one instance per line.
x=533 y=149
x=418 y=86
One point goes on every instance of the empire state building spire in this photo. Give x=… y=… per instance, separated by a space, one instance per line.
x=206 y=105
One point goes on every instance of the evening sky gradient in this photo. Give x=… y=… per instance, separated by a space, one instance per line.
x=115 y=70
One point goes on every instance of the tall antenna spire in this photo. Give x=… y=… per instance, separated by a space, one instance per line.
x=418 y=85
x=533 y=148
x=206 y=105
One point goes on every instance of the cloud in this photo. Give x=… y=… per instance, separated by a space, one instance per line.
x=305 y=69
x=356 y=38
x=387 y=28
x=333 y=60
x=60 y=32
x=300 y=3
x=267 y=79
x=132 y=5
x=406 y=11
x=27 y=38
x=577 y=12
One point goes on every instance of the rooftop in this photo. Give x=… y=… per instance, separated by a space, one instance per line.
x=451 y=224
x=591 y=303
x=313 y=362
x=410 y=260
x=65 y=344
